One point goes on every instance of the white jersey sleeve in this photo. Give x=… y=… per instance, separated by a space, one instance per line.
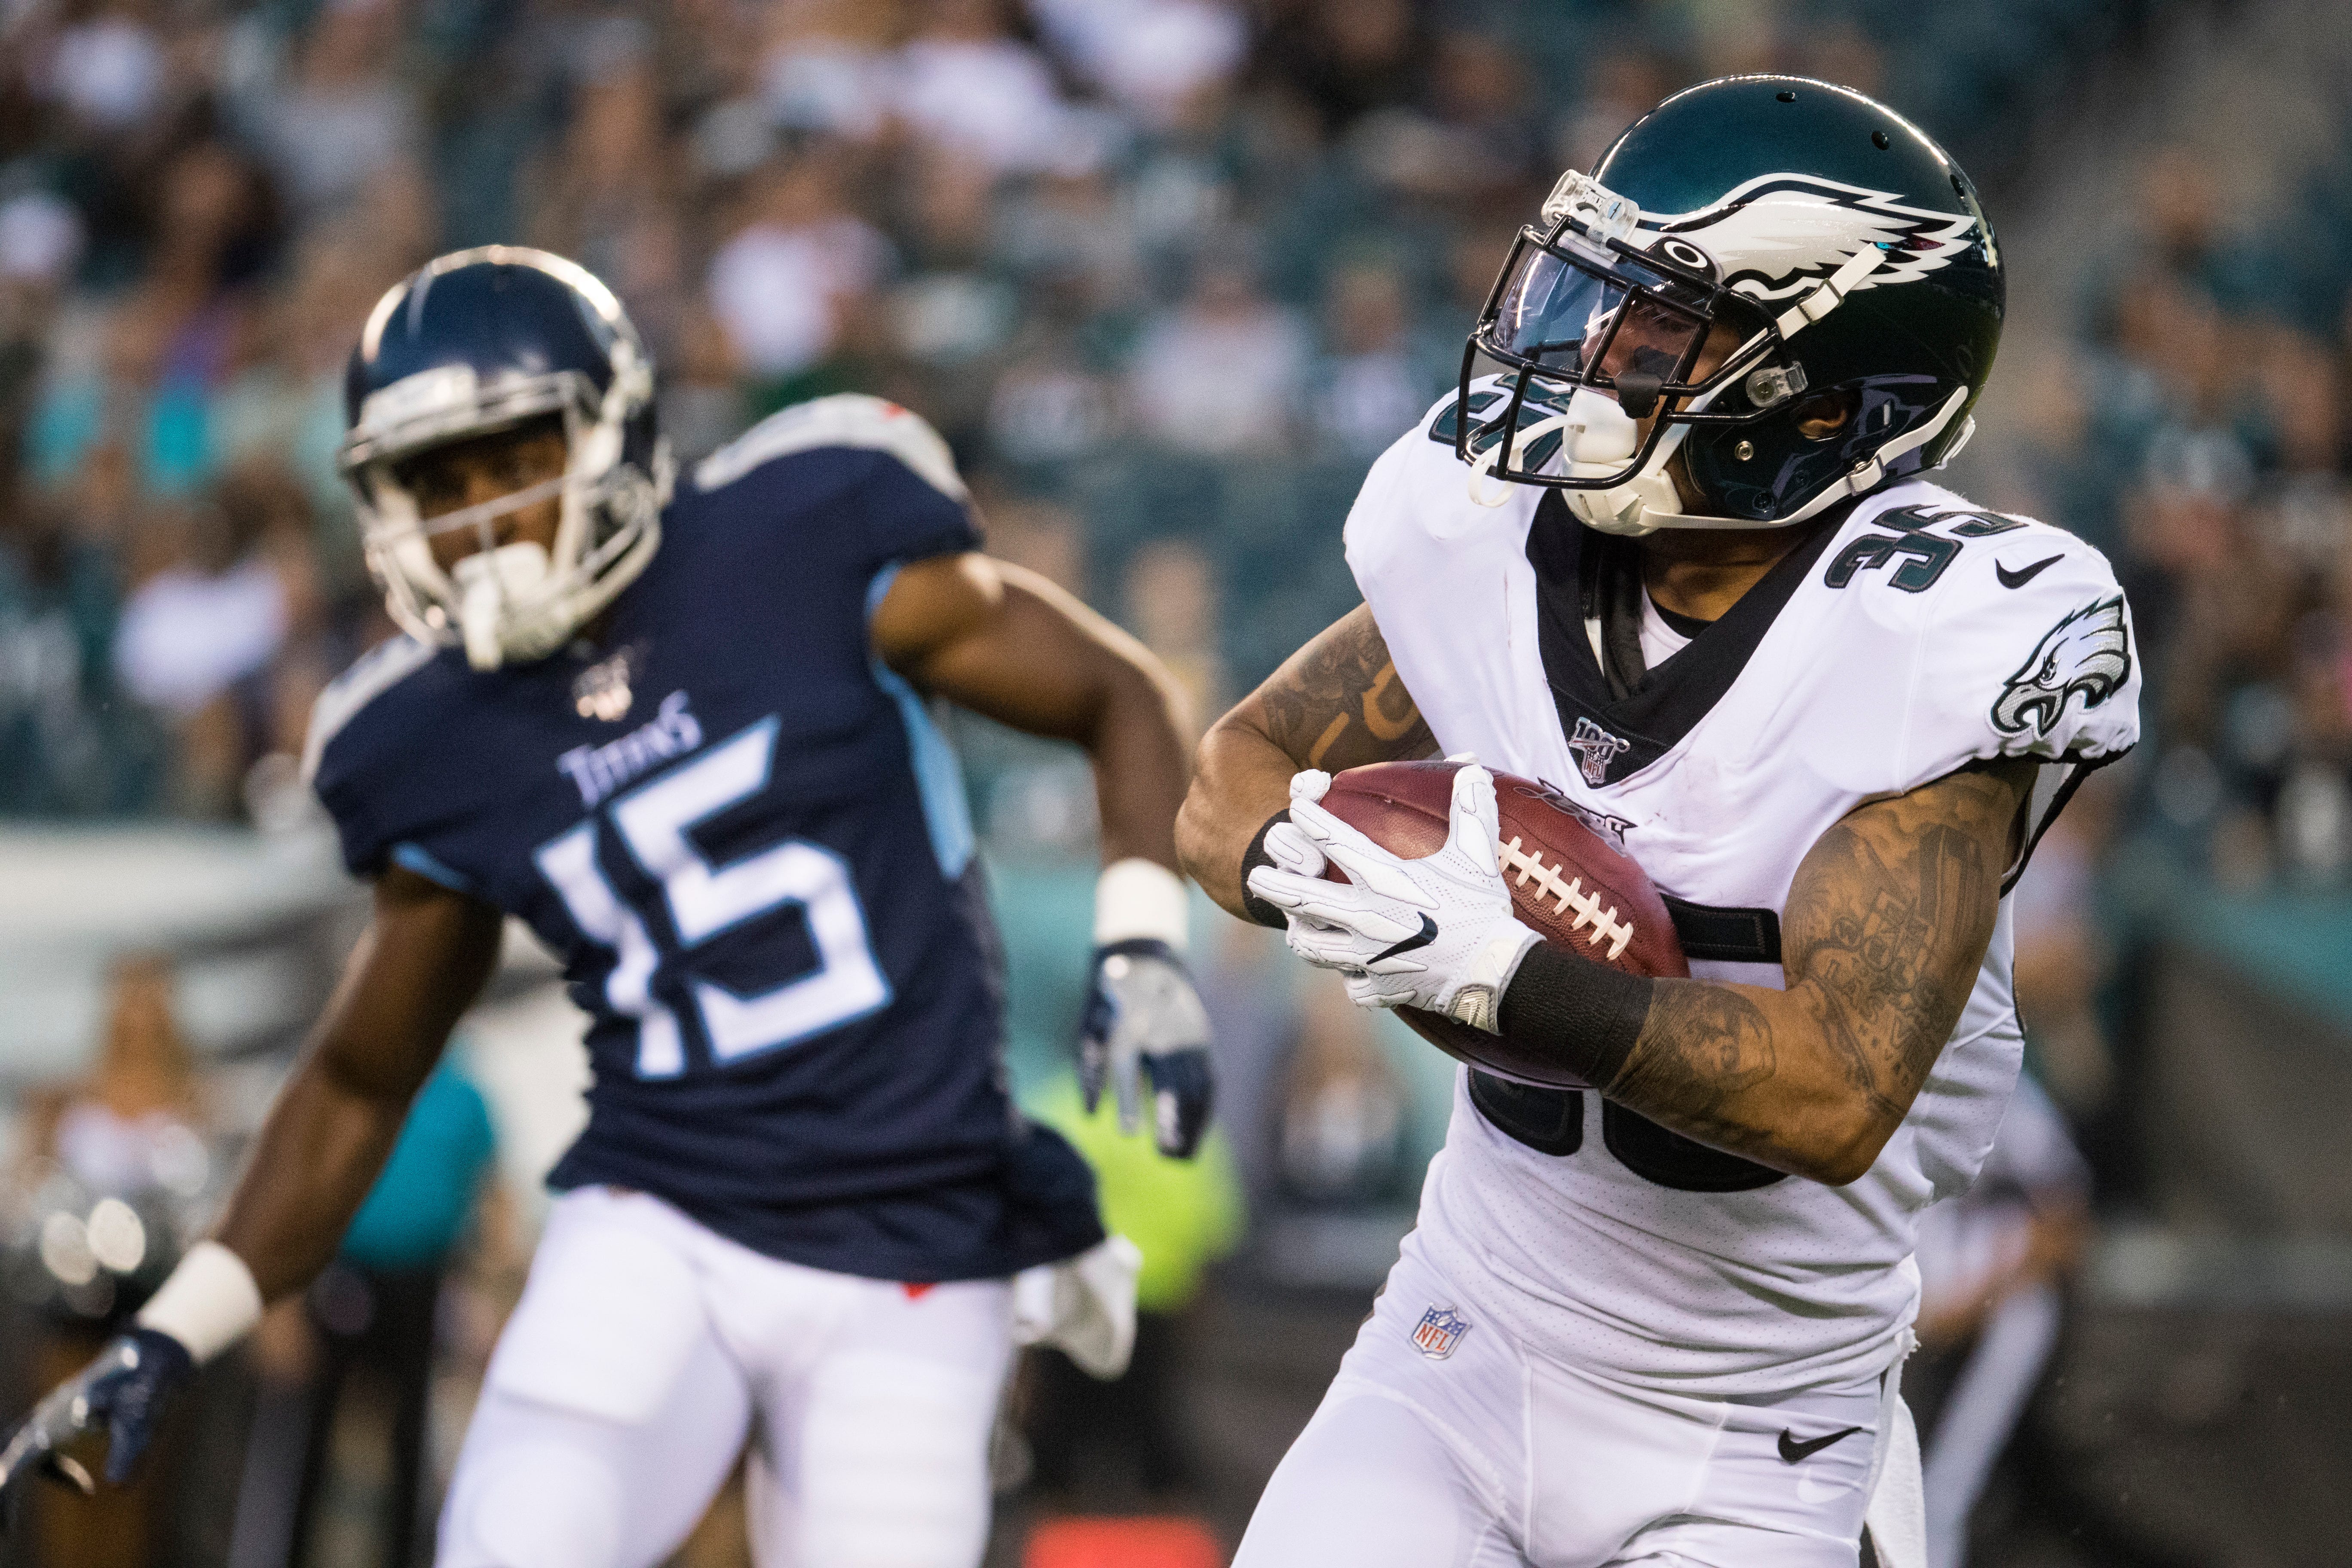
x=2024 y=647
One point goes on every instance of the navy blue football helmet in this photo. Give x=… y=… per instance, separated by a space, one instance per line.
x=480 y=341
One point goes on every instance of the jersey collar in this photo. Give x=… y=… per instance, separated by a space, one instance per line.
x=1618 y=716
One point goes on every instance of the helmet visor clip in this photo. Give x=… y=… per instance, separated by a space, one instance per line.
x=1774 y=384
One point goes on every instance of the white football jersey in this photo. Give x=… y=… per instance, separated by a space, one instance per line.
x=1917 y=635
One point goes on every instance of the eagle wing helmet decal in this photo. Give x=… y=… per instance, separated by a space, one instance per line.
x=1778 y=235
x=2089 y=652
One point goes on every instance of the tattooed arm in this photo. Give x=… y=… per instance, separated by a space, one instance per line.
x=1886 y=926
x=1337 y=704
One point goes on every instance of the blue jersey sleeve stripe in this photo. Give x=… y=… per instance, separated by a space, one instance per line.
x=939 y=775
x=418 y=858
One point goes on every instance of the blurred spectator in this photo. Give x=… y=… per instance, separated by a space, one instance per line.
x=796 y=271
x=2062 y=959
x=283 y=409
x=342 y=130
x=358 y=1350
x=1221 y=374
x=1171 y=603
x=1343 y=1109
x=702 y=403
x=1370 y=386
x=1993 y=1264
x=1160 y=58
x=107 y=69
x=135 y=1125
x=115 y=1179
x=170 y=344
x=1076 y=241
x=61 y=752
x=1049 y=408
x=1347 y=57
x=965 y=85
x=1620 y=88
x=607 y=194
x=828 y=66
x=1476 y=140
x=224 y=640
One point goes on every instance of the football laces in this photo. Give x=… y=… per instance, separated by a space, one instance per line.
x=1570 y=893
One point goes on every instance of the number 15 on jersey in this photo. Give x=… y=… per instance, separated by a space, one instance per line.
x=701 y=901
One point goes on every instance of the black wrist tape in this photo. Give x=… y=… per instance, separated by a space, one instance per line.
x=1584 y=1015
x=1253 y=857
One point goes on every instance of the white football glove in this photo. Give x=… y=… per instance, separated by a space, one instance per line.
x=1437 y=932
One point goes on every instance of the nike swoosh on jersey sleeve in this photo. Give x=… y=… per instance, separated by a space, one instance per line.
x=2024 y=575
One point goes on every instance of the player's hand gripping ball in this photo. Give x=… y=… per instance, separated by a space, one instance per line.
x=1144 y=1021
x=1450 y=874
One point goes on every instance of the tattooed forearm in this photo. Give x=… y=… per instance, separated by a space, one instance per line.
x=1886 y=926
x=1888 y=968
x=1339 y=703
x=1701 y=1047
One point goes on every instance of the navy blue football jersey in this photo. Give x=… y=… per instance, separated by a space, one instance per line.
x=751 y=848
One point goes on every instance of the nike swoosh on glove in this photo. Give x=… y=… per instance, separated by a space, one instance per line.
x=1144 y=1021
x=1437 y=932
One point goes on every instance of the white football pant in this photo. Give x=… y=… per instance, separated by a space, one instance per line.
x=1487 y=1457
x=646 y=1349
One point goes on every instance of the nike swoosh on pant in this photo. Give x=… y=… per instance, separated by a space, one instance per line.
x=2019 y=579
x=1791 y=1451
x=1423 y=938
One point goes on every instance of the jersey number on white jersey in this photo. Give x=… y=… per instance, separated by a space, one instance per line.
x=704 y=900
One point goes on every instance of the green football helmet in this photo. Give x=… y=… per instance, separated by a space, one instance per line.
x=1824 y=242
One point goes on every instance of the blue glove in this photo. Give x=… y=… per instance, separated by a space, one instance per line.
x=124 y=1390
x=1144 y=1022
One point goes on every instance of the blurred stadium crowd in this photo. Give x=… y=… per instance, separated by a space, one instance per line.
x=1168 y=274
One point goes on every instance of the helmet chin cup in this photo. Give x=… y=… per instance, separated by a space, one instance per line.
x=1628 y=510
x=1598 y=433
x=1601 y=439
x=496 y=594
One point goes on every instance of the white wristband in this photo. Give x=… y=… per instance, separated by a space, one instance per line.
x=1138 y=897
x=208 y=1304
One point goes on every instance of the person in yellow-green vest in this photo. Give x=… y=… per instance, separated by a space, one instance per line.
x=1106 y=1446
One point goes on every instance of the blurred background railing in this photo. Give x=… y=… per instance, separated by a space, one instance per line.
x=1168 y=274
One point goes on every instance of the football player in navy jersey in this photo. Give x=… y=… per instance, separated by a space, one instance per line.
x=677 y=722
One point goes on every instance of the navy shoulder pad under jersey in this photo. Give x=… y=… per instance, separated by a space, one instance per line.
x=750 y=846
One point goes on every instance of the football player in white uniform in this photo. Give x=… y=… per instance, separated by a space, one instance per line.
x=1680 y=559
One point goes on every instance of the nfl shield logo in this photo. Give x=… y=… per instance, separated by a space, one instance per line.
x=1440 y=1330
x=1595 y=749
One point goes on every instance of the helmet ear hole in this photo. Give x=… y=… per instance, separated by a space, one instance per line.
x=1825 y=414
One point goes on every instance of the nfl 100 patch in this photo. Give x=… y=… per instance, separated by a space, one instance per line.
x=1440 y=1330
x=1595 y=749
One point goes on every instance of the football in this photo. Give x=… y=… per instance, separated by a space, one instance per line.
x=1571 y=885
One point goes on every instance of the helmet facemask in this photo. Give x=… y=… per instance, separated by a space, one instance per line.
x=516 y=601
x=1601 y=323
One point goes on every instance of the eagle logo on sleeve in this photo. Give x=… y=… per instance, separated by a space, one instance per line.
x=2089 y=652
